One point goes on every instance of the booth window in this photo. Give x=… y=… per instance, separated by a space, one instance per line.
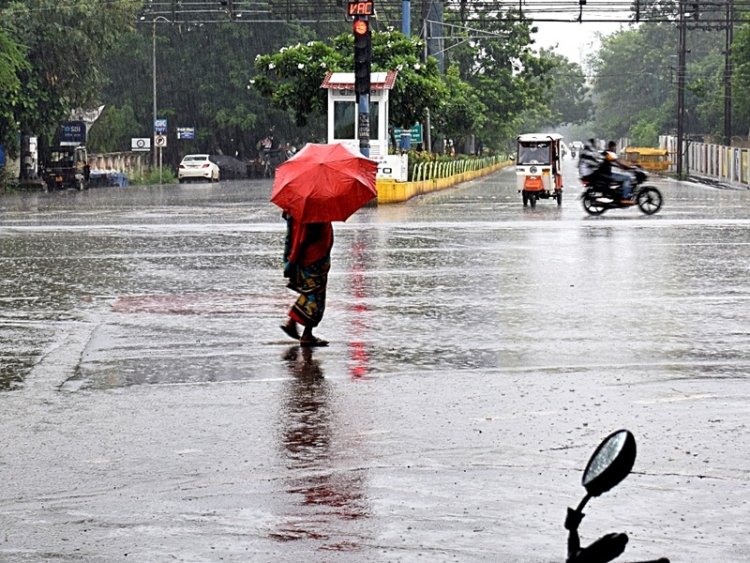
x=343 y=120
x=374 y=109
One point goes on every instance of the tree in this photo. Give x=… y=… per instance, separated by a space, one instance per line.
x=203 y=80
x=632 y=79
x=463 y=112
x=636 y=78
x=12 y=64
x=291 y=77
x=64 y=46
x=741 y=82
x=569 y=95
x=494 y=55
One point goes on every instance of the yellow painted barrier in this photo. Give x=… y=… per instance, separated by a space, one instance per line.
x=391 y=191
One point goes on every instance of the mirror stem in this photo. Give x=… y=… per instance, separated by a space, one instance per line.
x=572 y=521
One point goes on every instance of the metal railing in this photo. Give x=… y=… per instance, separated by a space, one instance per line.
x=722 y=163
x=443 y=169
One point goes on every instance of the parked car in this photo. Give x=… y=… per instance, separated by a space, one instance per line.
x=198 y=167
x=230 y=167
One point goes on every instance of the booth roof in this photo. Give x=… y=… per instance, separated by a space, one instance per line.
x=345 y=80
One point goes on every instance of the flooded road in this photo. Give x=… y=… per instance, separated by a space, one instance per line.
x=152 y=409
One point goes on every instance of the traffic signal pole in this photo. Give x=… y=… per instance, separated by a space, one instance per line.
x=406 y=30
x=362 y=64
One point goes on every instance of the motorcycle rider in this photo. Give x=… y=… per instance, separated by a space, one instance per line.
x=589 y=162
x=610 y=160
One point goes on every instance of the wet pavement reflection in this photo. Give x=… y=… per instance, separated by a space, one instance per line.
x=327 y=494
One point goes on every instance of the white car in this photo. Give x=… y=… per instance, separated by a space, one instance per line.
x=198 y=167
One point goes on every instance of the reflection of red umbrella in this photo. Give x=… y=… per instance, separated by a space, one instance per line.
x=323 y=183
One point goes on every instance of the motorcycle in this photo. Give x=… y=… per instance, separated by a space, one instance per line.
x=611 y=462
x=600 y=196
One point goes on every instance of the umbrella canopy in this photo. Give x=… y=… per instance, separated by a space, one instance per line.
x=323 y=183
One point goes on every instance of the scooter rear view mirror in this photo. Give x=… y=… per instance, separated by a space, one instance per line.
x=610 y=463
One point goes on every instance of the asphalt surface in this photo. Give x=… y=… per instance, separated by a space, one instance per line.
x=152 y=410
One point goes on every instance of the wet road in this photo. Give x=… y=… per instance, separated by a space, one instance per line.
x=152 y=410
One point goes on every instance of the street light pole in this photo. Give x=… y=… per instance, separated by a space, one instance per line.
x=153 y=61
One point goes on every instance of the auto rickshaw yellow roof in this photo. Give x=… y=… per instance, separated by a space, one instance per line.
x=539 y=137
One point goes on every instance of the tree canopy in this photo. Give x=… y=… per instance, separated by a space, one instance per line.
x=291 y=77
x=63 y=45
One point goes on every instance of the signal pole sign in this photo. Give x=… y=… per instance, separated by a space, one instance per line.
x=361 y=11
x=354 y=8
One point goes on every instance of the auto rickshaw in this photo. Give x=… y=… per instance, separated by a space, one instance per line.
x=538 y=173
x=66 y=168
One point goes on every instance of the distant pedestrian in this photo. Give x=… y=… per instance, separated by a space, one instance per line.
x=307 y=260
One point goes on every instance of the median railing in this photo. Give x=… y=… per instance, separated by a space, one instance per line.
x=433 y=175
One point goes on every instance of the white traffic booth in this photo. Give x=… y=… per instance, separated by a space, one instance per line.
x=343 y=119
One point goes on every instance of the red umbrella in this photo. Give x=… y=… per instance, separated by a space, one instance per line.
x=323 y=183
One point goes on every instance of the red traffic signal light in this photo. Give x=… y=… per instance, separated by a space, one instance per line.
x=361 y=27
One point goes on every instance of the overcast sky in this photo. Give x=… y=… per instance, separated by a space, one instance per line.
x=574 y=40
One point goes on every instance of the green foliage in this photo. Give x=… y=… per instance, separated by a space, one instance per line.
x=12 y=65
x=501 y=67
x=632 y=76
x=203 y=80
x=113 y=130
x=569 y=97
x=645 y=131
x=741 y=83
x=463 y=112
x=64 y=45
x=291 y=77
x=154 y=177
x=636 y=79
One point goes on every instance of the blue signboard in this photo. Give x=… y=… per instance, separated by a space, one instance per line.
x=160 y=126
x=2 y=156
x=73 y=133
x=186 y=133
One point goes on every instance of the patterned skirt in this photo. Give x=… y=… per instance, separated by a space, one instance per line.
x=310 y=282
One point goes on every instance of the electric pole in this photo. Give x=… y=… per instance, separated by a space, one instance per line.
x=728 y=74
x=681 y=88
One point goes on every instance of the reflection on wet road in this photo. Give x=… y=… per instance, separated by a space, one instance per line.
x=327 y=494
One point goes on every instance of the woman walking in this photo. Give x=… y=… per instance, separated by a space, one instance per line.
x=307 y=260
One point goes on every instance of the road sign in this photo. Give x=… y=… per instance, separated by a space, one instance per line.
x=72 y=134
x=160 y=126
x=415 y=133
x=160 y=141
x=357 y=8
x=186 y=133
x=140 y=144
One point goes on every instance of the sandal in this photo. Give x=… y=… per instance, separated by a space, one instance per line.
x=291 y=331
x=313 y=342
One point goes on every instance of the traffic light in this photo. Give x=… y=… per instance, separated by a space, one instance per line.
x=362 y=56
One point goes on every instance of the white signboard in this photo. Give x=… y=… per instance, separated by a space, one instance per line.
x=160 y=140
x=393 y=167
x=142 y=144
